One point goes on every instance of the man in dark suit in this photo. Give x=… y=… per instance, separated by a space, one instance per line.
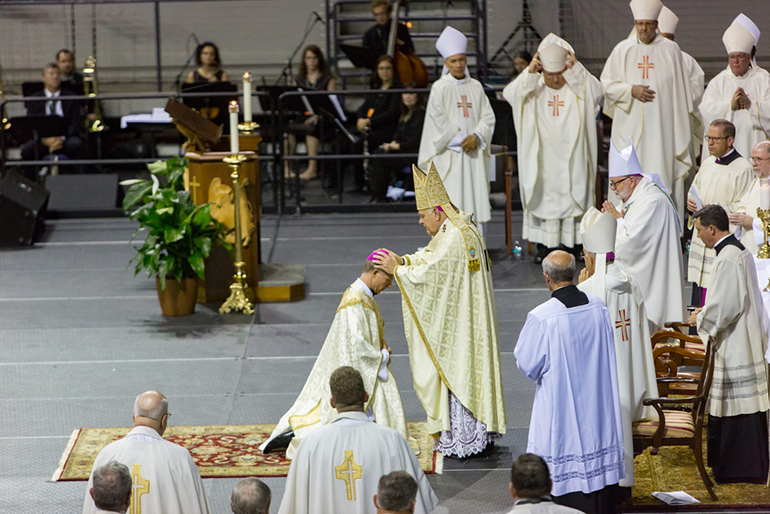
x=376 y=38
x=70 y=79
x=69 y=144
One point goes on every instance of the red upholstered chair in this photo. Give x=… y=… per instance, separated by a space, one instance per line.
x=677 y=427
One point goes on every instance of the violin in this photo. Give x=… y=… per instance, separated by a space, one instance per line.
x=409 y=66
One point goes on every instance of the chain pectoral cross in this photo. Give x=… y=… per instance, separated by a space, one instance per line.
x=555 y=103
x=349 y=472
x=465 y=105
x=623 y=323
x=139 y=487
x=645 y=66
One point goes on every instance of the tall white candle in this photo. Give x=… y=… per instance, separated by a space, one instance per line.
x=234 y=128
x=764 y=196
x=247 y=97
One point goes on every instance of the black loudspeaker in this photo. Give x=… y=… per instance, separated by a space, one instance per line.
x=86 y=193
x=22 y=204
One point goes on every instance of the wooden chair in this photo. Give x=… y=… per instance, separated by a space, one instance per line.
x=676 y=427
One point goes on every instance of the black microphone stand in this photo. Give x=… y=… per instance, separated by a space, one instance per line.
x=286 y=72
x=177 y=80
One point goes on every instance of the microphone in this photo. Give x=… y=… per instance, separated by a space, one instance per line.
x=318 y=17
x=197 y=43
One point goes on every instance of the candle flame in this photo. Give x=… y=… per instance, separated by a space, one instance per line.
x=247 y=76
x=233 y=106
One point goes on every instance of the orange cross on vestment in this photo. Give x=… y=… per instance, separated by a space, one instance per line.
x=555 y=103
x=623 y=323
x=465 y=105
x=645 y=66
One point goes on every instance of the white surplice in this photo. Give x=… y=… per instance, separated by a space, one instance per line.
x=556 y=135
x=752 y=238
x=633 y=353
x=647 y=247
x=661 y=130
x=751 y=125
x=164 y=474
x=576 y=420
x=454 y=107
x=719 y=184
x=337 y=467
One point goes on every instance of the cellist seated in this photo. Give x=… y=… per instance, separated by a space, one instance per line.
x=376 y=38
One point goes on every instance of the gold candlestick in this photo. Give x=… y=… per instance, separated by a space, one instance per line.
x=764 y=217
x=248 y=127
x=238 y=300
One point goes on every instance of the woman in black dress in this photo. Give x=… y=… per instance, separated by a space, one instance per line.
x=209 y=65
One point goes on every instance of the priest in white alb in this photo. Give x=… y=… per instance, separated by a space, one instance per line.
x=740 y=93
x=648 y=243
x=458 y=128
x=748 y=226
x=737 y=436
x=450 y=321
x=623 y=298
x=356 y=338
x=649 y=98
x=723 y=178
x=567 y=348
x=555 y=102
x=336 y=468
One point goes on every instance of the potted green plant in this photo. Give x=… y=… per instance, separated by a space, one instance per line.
x=180 y=234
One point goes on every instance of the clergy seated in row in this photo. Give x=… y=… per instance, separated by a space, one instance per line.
x=567 y=348
x=112 y=488
x=748 y=226
x=250 y=496
x=648 y=243
x=457 y=135
x=356 y=338
x=723 y=178
x=737 y=434
x=741 y=92
x=623 y=298
x=450 y=321
x=649 y=98
x=164 y=474
x=396 y=493
x=336 y=468
x=555 y=102
x=531 y=485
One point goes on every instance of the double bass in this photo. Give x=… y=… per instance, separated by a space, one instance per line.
x=410 y=67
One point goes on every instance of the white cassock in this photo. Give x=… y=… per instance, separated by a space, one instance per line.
x=355 y=339
x=576 y=421
x=633 y=353
x=556 y=134
x=458 y=108
x=661 y=130
x=337 y=467
x=647 y=247
x=722 y=184
x=751 y=125
x=164 y=474
x=751 y=238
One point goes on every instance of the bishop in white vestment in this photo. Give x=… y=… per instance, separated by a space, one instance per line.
x=740 y=93
x=450 y=321
x=356 y=338
x=633 y=352
x=734 y=316
x=554 y=109
x=337 y=467
x=457 y=134
x=649 y=98
x=748 y=226
x=567 y=348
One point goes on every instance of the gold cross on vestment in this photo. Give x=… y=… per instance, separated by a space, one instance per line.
x=623 y=323
x=139 y=487
x=194 y=184
x=465 y=105
x=555 y=103
x=349 y=472
x=645 y=66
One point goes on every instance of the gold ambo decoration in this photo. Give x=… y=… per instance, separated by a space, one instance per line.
x=238 y=300
x=764 y=216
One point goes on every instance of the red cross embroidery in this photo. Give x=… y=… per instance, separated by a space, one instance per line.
x=464 y=105
x=645 y=66
x=555 y=103
x=623 y=324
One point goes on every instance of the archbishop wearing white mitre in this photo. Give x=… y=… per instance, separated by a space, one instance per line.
x=450 y=321
x=624 y=300
x=555 y=102
x=740 y=93
x=647 y=244
x=648 y=96
x=356 y=338
x=734 y=316
x=458 y=128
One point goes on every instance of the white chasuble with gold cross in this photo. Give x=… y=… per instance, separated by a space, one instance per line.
x=661 y=130
x=633 y=353
x=354 y=339
x=557 y=156
x=164 y=476
x=459 y=107
x=450 y=321
x=336 y=468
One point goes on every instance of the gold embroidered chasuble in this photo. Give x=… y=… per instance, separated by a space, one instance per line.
x=450 y=321
x=354 y=339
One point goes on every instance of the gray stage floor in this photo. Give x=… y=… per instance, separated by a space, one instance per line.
x=80 y=337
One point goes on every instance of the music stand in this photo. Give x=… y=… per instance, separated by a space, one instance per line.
x=31 y=89
x=26 y=128
x=360 y=56
x=210 y=102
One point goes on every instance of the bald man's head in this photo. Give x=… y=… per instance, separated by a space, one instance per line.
x=151 y=410
x=760 y=159
x=559 y=269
